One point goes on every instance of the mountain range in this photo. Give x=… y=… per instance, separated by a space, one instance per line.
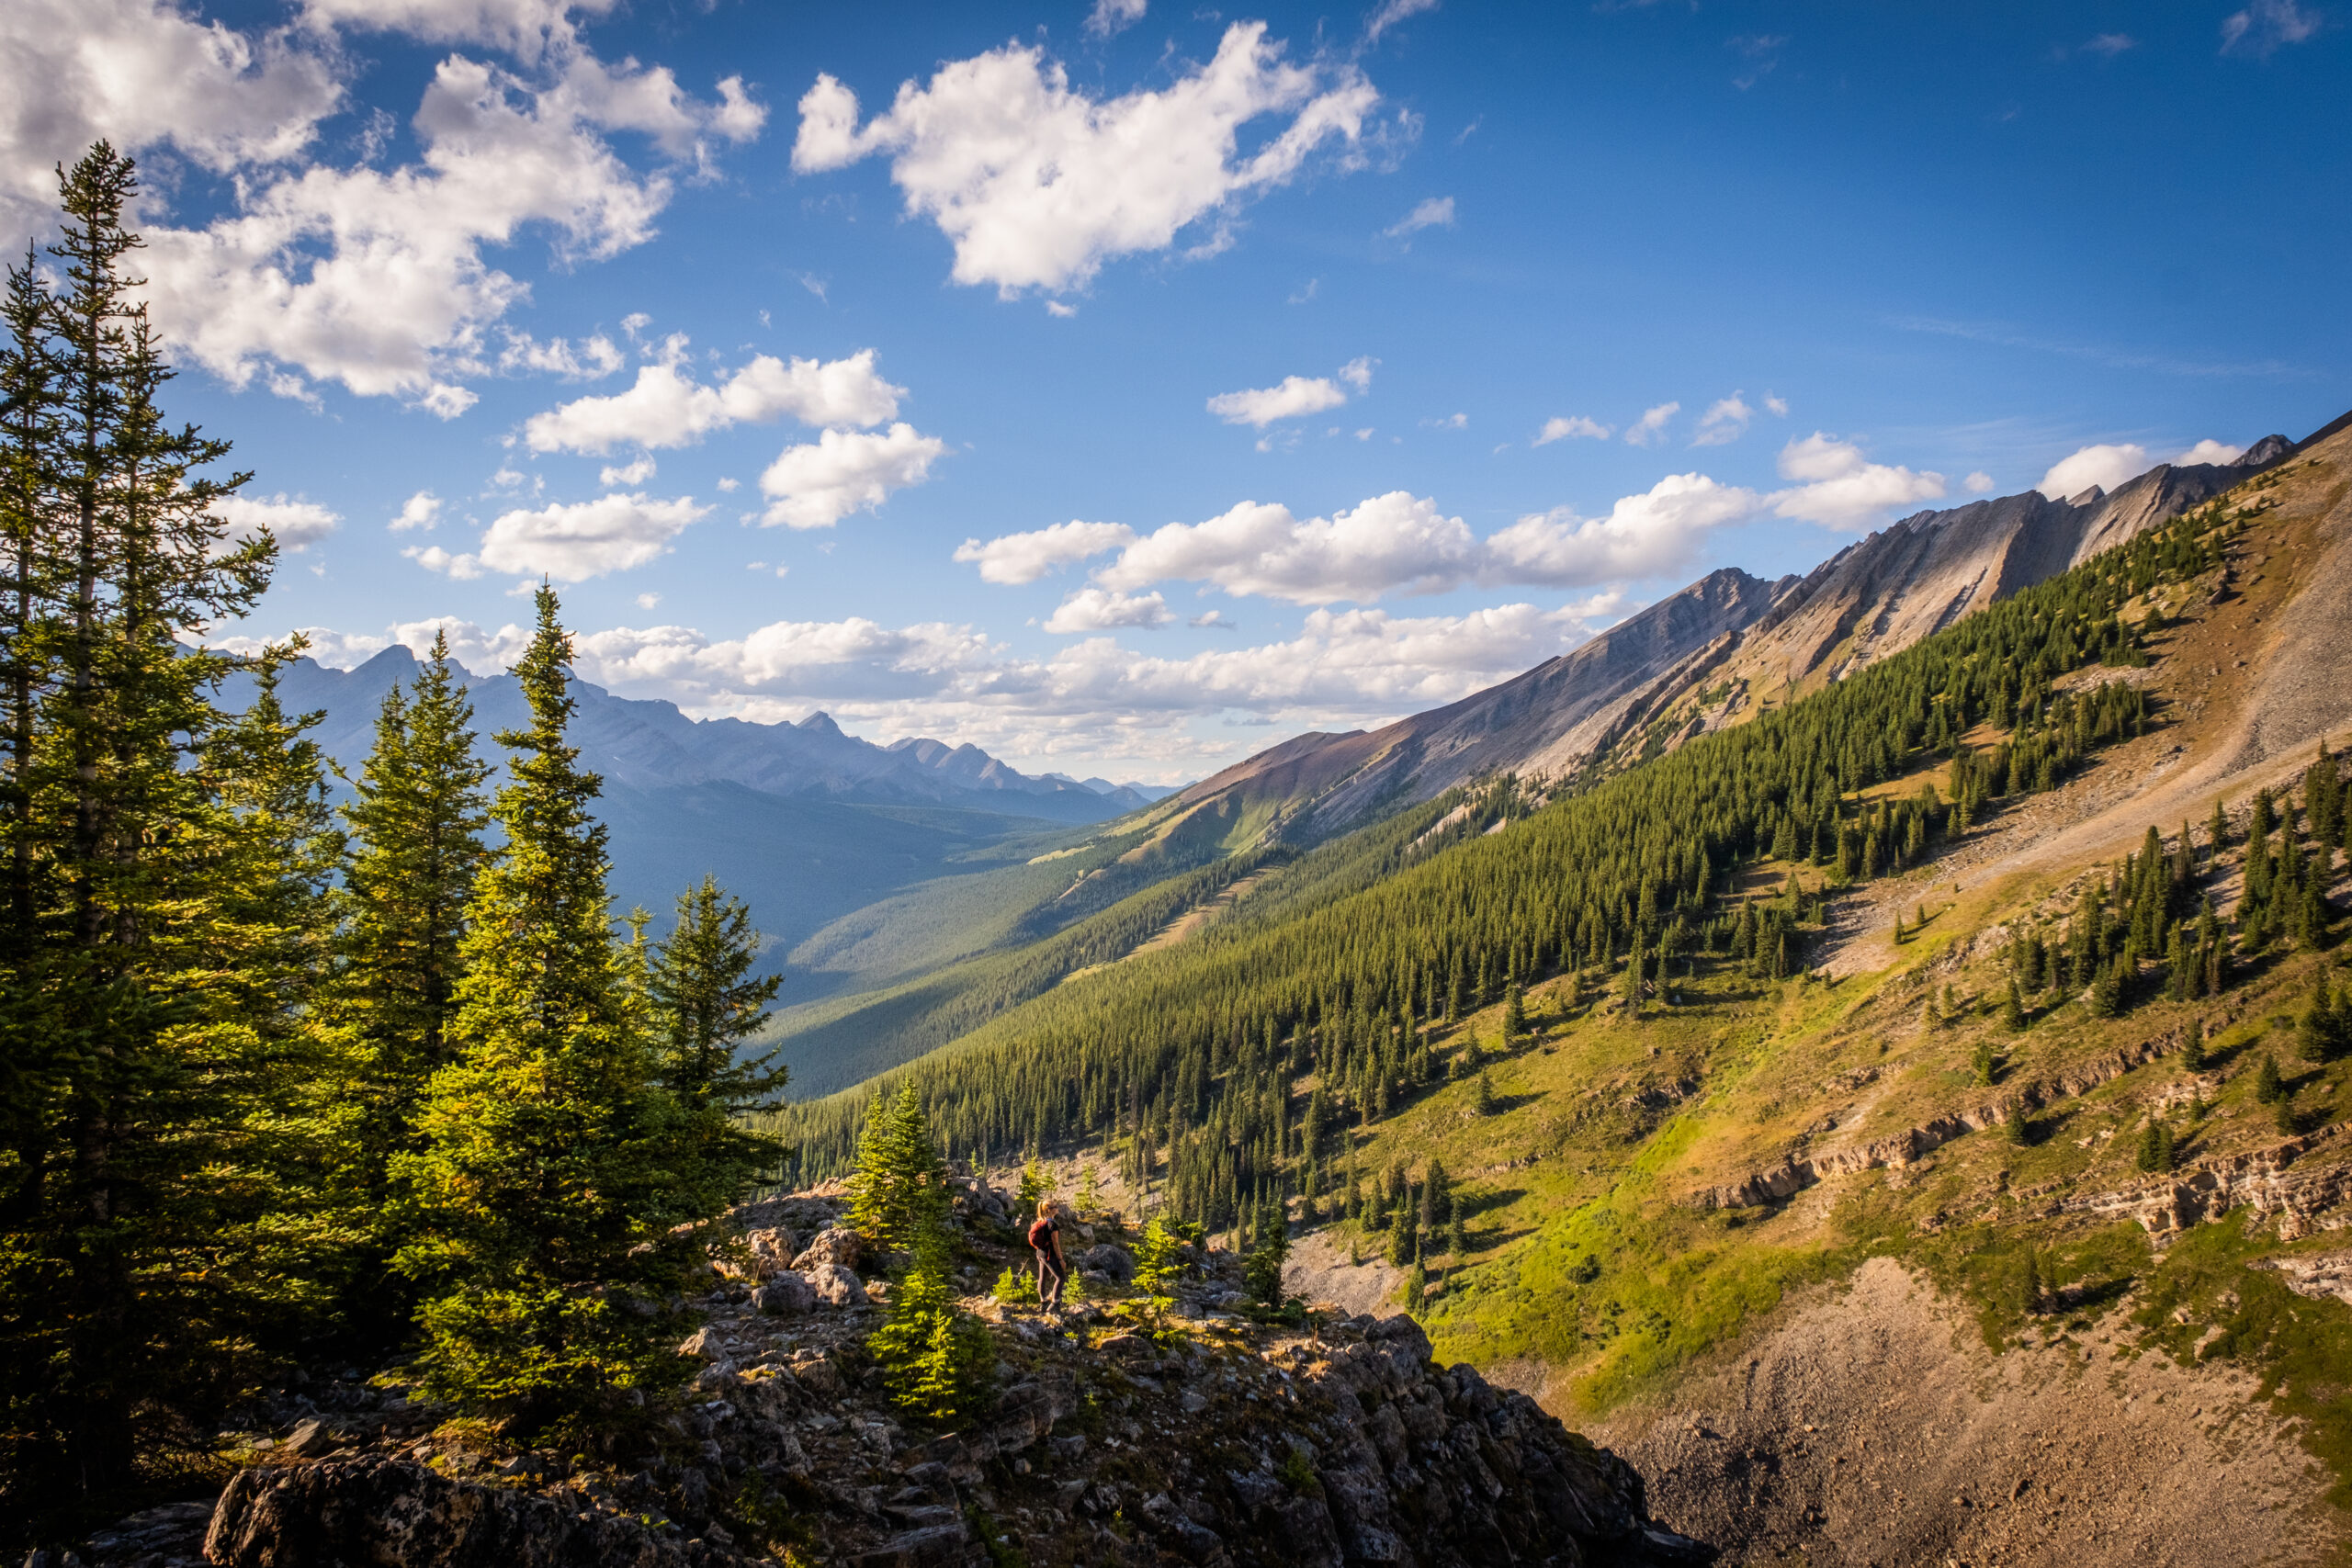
x=806 y=823
x=1699 y=657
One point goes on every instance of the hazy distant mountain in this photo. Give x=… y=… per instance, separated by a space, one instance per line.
x=647 y=744
x=807 y=824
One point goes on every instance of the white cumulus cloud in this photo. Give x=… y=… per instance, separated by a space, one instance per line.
x=817 y=485
x=1291 y=398
x=2212 y=451
x=147 y=73
x=1014 y=558
x=2105 y=466
x=1725 y=422
x=1037 y=184
x=377 y=278
x=1393 y=543
x=570 y=542
x=1977 y=483
x=421 y=510
x=295 y=524
x=1107 y=609
x=1562 y=427
x=1648 y=534
x=626 y=476
x=1840 y=488
x=668 y=408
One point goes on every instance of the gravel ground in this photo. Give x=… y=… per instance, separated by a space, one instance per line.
x=1873 y=1427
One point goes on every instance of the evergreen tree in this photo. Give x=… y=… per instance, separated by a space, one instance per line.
x=2192 y=1049
x=543 y=1205
x=1514 y=1016
x=1263 y=1269
x=2013 y=1008
x=1482 y=1096
x=705 y=1004
x=899 y=1176
x=937 y=1362
x=2267 y=1088
x=416 y=819
x=167 y=1096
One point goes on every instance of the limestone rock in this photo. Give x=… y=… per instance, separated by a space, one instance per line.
x=833 y=1284
x=835 y=1244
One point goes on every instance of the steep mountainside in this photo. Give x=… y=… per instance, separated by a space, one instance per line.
x=1993 y=1211
x=1716 y=651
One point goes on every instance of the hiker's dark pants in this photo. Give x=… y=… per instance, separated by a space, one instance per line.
x=1049 y=1269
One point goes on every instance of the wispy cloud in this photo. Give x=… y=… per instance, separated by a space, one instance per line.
x=1390 y=13
x=2265 y=25
x=1437 y=212
x=2118 y=358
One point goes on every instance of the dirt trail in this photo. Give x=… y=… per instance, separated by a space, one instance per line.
x=1874 y=1427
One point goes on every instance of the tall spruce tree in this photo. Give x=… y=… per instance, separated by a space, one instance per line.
x=170 y=1125
x=542 y=1207
x=705 y=1002
x=416 y=819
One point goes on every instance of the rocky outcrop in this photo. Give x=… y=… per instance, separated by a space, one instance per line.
x=389 y=1514
x=1348 y=1446
x=1795 y=1172
x=2282 y=1181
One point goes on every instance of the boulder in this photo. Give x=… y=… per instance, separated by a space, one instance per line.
x=1113 y=1261
x=835 y=1244
x=785 y=1295
x=773 y=1250
x=833 y=1284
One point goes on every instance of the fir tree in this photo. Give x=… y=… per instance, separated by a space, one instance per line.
x=899 y=1176
x=2013 y=1008
x=705 y=1002
x=416 y=819
x=2192 y=1048
x=1482 y=1096
x=1514 y=1016
x=937 y=1362
x=169 y=1096
x=2267 y=1088
x=544 y=1208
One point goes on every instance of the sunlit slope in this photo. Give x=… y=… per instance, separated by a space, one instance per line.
x=1654 y=1172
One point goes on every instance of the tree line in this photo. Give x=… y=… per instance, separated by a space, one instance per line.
x=282 y=1080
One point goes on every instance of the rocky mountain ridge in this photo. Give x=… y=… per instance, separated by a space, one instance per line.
x=649 y=744
x=1719 y=648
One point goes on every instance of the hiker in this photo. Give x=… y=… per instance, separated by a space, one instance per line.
x=1046 y=1241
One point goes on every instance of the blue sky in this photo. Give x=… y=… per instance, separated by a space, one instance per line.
x=1267 y=369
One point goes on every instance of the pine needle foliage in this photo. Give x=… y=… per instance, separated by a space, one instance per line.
x=541 y=1192
x=174 y=1180
x=416 y=821
x=936 y=1360
x=900 y=1178
x=705 y=1002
